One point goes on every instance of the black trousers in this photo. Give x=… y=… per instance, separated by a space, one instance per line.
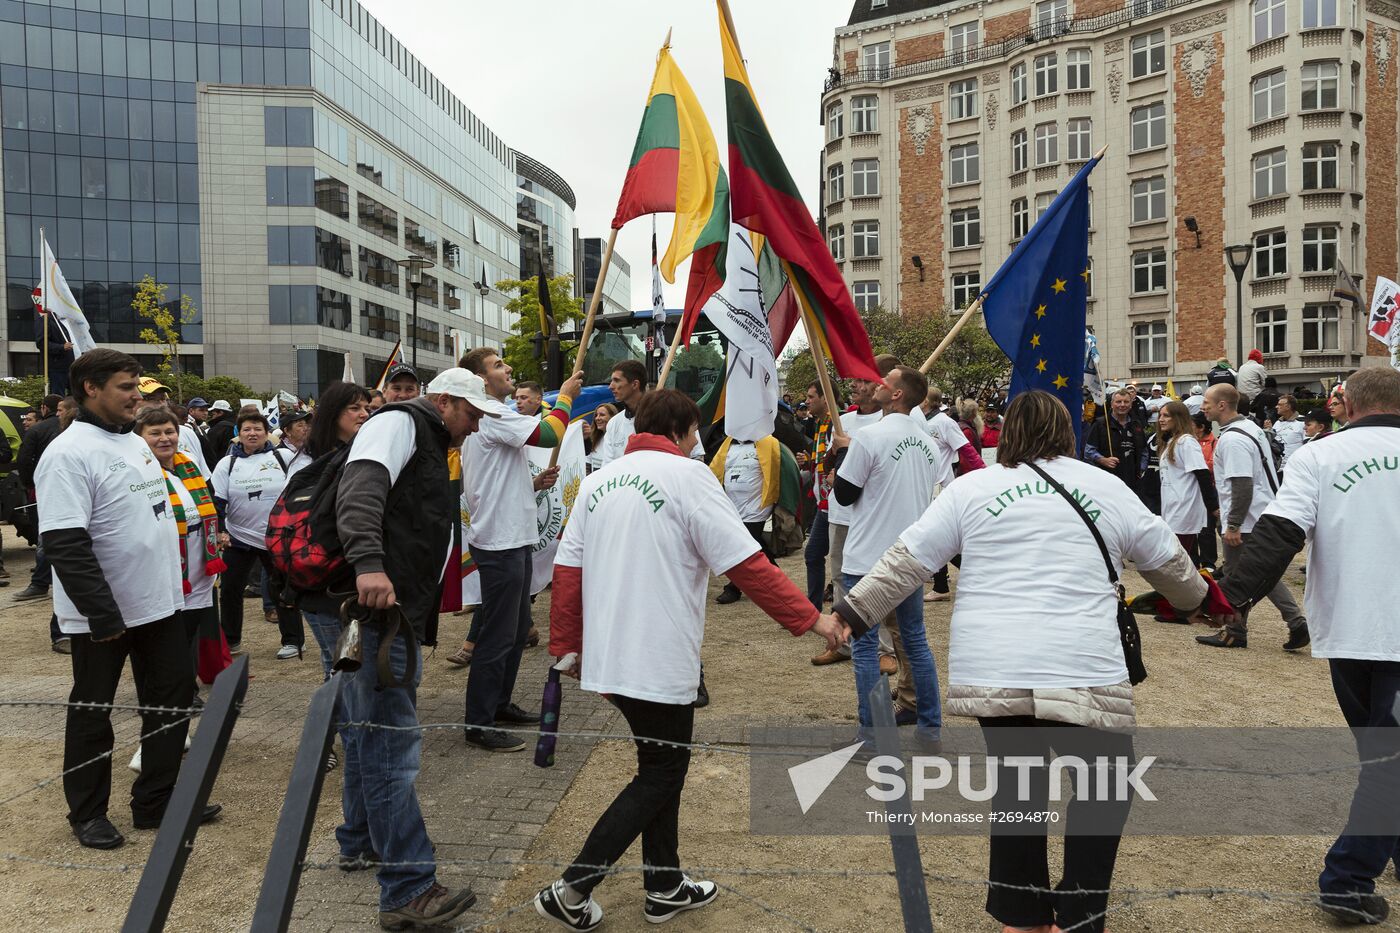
x=755 y=530
x=240 y=562
x=160 y=665
x=1207 y=551
x=649 y=806
x=1018 y=859
x=504 y=620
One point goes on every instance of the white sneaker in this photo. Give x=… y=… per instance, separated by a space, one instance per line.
x=287 y=652
x=689 y=896
x=549 y=903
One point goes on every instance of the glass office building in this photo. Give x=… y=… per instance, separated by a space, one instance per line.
x=272 y=160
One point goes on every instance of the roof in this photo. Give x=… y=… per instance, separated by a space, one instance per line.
x=861 y=11
x=542 y=174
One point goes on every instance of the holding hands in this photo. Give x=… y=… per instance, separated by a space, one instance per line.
x=833 y=629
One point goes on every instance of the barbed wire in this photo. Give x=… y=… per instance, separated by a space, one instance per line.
x=122 y=707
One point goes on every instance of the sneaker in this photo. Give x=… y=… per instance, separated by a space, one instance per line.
x=513 y=714
x=549 y=904
x=830 y=656
x=287 y=652
x=1298 y=638
x=1355 y=909
x=235 y=649
x=494 y=740
x=462 y=656
x=728 y=595
x=332 y=761
x=933 y=596
x=689 y=896
x=433 y=908
x=63 y=645
x=1224 y=639
x=31 y=592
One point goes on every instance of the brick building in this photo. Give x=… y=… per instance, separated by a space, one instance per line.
x=1270 y=123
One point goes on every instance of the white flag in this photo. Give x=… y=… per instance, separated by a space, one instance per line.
x=658 y=301
x=58 y=300
x=739 y=313
x=1382 y=324
x=349 y=374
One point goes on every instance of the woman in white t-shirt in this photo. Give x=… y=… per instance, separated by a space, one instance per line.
x=1034 y=641
x=246 y=485
x=1188 y=492
x=596 y=435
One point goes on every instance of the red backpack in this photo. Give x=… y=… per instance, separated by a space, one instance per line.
x=302 y=540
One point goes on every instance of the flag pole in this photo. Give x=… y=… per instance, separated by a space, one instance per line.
x=44 y=308
x=671 y=354
x=972 y=309
x=828 y=392
x=582 y=351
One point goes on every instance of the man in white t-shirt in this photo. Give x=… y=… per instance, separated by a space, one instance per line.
x=1246 y=480
x=501 y=500
x=886 y=478
x=110 y=536
x=1343 y=495
x=1288 y=427
x=1154 y=404
x=961 y=454
x=743 y=484
x=1194 y=400
x=628 y=382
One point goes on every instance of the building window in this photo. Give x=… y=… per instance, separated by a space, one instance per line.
x=1321 y=165
x=1020 y=151
x=836 y=239
x=1047 y=74
x=833 y=122
x=1020 y=218
x=1018 y=83
x=964 y=36
x=1077 y=69
x=1149 y=126
x=1355 y=168
x=1270 y=96
x=1079 y=144
x=1319 y=249
x=1089 y=278
x=1356 y=87
x=1047 y=144
x=379 y=271
x=419 y=240
x=331 y=138
x=1270 y=174
x=865 y=114
x=1320 y=85
x=1321 y=328
x=291 y=246
x=1149 y=199
x=1269 y=19
x=1320 y=14
x=1149 y=54
x=1043 y=202
x=287 y=126
x=1270 y=254
x=333 y=253
x=378 y=321
x=965 y=164
x=1149 y=271
x=1271 y=330
x=865 y=178
x=835 y=183
x=966 y=287
x=374 y=163
x=967 y=227
x=332 y=195
x=428 y=290
x=1051 y=17
x=963 y=98
x=866 y=295
x=291 y=304
x=290 y=185
x=1149 y=343
x=376 y=218
x=875 y=59
x=865 y=239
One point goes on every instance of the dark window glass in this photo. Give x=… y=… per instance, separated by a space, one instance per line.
x=378 y=321
x=331 y=194
x=140 y=118
x=41 y=174
x=119 y=241
x=142 y=181
x=332 y=308
x=166 y=191
x=379 y=271
x=163 y=121
x=167 y=242
x=118 y=179
x=428 y=291
x=301 y=246
x=299 y=123
x=187 y=181
x=277 y=254
x=114 y=116
x=189 y=244
x=143 y=242
x=17 y=172
x=65 y=113
x=275 y=126
x=333 y=252
x=278 y=305
x=419 y=239
x=14 y=107
x=41 y=110
x=69 y=175
x=94 y=178
x=90 y=115
x=277 y=185
x=377 y=219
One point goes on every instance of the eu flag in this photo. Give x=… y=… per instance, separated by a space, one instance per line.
x=1034 y=305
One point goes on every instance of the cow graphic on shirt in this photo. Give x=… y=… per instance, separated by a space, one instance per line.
x=158 y=509
x=255 y=494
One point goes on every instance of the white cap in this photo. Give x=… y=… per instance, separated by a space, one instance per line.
x=221 y=405
x=463 y=383
x=1156 y=388
x=1197 y=390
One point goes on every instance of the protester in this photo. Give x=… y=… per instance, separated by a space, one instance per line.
x=32 y=446
x=400 y=383
x=640 y=646
x=1317 y=424
x=197 y=412
x=296 y=427
x=28 y=419
x=376 y=400
x=1154 y=404
x=220 y=433
x=964 y=458
x=595 y=434
x=864 y=411
x=1266 y=402
x=819 y=537
x=1207 y=553
x=970 y=422
x=394 y=513
x=1250 y=379
x=60 y=354
x=1194 y=400
x=628 y=383
x=107 y=528
x=1288 y=427
x=1337 y=406
x=991 y=431
x=1246 y=480
x=1118 y=443
x=246 y=485
x=1348 y=600
x=1014 y=662
x=754 y=476
x=1220 y=373
x=501 y=501
x=1188 y=491
x=529 y=398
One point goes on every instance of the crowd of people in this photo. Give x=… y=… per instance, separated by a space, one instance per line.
x=890 y=485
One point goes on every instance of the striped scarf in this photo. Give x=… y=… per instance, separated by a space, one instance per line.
x=188 y=473
x=823 y=441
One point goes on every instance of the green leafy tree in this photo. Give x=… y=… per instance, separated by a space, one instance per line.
x=166 y=318
x=520 y=352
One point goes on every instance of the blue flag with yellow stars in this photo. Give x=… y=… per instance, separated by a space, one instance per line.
x=1034 y=305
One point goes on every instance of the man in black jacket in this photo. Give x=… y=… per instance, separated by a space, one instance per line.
x=60 y=353
x=220 y=432
x=31 y=448
x=1117 y=442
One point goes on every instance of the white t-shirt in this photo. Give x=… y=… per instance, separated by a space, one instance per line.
x=496 y=477
x=1345 y=494
x=743 y=481
x=621 y=427
x=191 y=447
x=389 y=439
x=851 y=422
x=896 y=465
x=250 y=485
x=1290 y=434
x=1034 y=606
x=201 y=594
x=942 y=428
x=1237 y=455
x=1154 y=407
x=644 y=618
x=112 y=486
x=1193 y=403
x=1183 y=509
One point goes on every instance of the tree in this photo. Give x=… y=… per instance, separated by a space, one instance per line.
x=165 y=317
x=520 y=353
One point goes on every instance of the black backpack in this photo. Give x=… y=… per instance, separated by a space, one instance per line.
x=302 y=539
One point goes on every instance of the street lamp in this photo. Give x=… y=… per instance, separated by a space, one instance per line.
x=413 y=267
x=1238 y=258
x=483 y=290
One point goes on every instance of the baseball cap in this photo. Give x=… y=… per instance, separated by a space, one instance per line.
x=397 y=370
x=197 y=402
x=221 y=405
x=1197 y=390
x=463 y=383
x=290 y=418
x=149 y=384
x=1156 y=388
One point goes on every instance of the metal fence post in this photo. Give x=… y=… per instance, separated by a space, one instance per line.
x=908 y=864
x=283 y=874
x=150 y=905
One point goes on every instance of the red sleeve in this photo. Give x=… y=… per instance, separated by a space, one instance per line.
x=969 y=459
x=566 y=611
x=772 y=591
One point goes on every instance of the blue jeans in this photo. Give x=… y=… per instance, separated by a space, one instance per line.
x=325 y=626
x=378 y=798
x=504 y=625
x=1369 y=694
x=865 y=652
x=42 y=574
x=818 y=542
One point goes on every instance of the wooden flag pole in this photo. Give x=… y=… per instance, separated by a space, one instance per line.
x=952 y=334
x=819 y=358
x=582 y=351
x=671 y=354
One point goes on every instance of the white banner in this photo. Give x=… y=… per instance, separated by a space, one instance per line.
x=58 y=300
x=738 y=312
x=349 y=374
x=1382 y=323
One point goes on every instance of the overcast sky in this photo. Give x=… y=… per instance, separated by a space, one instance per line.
x=566 y=82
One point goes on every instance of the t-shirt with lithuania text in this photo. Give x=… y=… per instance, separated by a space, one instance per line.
x=111 y=485
x=669 y=522
x=896 y=464
x=1034 y=606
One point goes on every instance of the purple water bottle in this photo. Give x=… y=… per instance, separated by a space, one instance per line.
x=549 y=712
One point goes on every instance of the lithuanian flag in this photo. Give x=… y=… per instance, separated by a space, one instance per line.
x=675 y=168
x=765 y=200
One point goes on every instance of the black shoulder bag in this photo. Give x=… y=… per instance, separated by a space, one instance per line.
x=1127 y=624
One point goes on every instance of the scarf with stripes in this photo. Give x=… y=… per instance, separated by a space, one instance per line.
x=187 y=472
